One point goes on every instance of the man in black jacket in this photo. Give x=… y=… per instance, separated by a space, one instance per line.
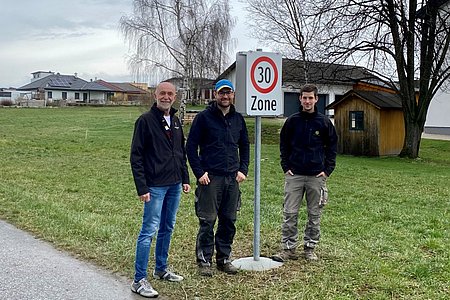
x=308 y=144
x=222 y=163
x=158 y=163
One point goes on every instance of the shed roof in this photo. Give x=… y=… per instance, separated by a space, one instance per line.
x=381 y=100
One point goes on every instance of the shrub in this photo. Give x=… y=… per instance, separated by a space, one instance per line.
x=6 y=102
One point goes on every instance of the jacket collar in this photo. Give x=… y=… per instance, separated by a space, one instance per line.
x=160 y=113
x=307 y=114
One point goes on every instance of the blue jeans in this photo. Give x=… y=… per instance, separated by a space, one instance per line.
x=160 y=212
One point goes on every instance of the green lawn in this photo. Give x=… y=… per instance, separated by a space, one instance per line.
x=65 y=177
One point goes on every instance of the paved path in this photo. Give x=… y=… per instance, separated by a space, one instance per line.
x=32 y=269
x=436 y=136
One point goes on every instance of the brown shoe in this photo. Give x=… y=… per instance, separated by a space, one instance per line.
x=310 y=255
x=227 y=268
x=285 y=255
x=205 y=270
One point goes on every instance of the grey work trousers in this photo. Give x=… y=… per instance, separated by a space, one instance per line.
x=296 y=186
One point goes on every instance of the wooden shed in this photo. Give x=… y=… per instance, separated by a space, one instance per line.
x=369 y=121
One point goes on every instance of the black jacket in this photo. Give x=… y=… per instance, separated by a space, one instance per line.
x=223 y=142
x=158 y=155
x=308 y=144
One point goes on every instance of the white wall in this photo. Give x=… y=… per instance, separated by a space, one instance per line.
x=438 y=116
x=15 y=95
x=97 y=97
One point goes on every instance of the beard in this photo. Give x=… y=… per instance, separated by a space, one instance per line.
x=220 y=103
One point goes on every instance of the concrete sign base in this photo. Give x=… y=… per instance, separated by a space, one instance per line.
x=250 y=264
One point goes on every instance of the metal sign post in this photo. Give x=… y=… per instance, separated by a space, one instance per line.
x=260 y=74
x=257 y=204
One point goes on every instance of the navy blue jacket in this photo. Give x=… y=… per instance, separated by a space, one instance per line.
x=158 y=154
x=223 y=142
x=308 y=144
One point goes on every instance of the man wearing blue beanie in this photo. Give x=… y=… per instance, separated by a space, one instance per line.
x=218 y=151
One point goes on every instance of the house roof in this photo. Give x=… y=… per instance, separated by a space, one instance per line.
x=123 y=87
x=57 y=82
x=323 y=73
x=128 y=87
x=63 y=82
x=435 y=4
x=381 y=100
x=95 y=86
x=204 y=83
x=318 y=73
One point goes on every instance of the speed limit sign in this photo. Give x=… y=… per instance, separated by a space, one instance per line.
x=264 y=96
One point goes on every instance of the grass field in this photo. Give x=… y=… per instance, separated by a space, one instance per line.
x=65 y=177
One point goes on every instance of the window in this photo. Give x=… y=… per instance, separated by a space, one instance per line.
x=77 y=96
x=5 y=94
x=64 y=95
x=49 y=95
x=356 y=120
x=85 y=97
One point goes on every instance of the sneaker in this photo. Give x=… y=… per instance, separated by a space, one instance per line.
x=285 y=255
x=227 y=268
x=310 y=255
x=205 y=270
x=166 y=275
x=144 y=288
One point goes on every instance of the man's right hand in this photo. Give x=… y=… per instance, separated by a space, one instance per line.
x=145 y=197
x=289 y=172
x=204 y=180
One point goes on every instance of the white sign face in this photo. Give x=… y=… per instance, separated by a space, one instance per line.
x=264 y=94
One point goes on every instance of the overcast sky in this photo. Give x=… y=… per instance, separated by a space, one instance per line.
x=79 y=36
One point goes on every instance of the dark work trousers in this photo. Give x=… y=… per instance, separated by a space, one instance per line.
x=219 y=199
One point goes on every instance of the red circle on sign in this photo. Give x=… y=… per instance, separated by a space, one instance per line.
x=252 y=77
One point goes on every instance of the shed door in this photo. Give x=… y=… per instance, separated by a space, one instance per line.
x=291 y=103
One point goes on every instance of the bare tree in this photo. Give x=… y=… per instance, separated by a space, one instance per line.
x=410 y=38
x=186 y=38
x=285 y=23
x=403 y=42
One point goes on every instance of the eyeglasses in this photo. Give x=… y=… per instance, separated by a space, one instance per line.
x=221 y=93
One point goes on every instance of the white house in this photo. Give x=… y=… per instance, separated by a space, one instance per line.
x=332 y=80
x=438 y=116
x=49 y=87
x=10 y=95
